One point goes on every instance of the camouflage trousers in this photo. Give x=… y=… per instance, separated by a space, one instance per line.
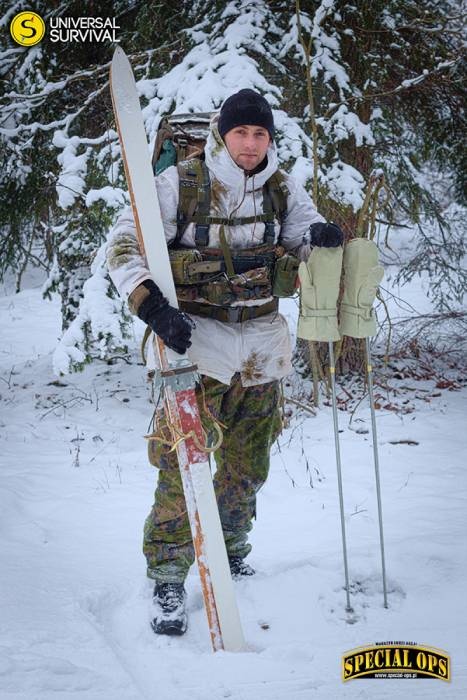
x=253 y=421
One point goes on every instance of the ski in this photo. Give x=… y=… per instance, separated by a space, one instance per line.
x=177 y=372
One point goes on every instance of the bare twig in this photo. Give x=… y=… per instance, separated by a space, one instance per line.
x=302 y=405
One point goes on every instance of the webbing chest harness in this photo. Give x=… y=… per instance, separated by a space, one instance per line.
x=194 y=207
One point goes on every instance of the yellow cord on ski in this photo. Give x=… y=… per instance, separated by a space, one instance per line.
x=217 y=424
x=185 y=436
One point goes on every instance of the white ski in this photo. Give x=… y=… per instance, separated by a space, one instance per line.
x=178 y=373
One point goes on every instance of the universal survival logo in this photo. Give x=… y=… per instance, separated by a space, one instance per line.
x=28 y=28
x=396 y=660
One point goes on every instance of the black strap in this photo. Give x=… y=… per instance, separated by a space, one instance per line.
x=203 y=209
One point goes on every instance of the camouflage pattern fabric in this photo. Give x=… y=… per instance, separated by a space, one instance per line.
x=253 y=419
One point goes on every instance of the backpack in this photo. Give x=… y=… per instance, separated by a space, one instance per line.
x=179 y=137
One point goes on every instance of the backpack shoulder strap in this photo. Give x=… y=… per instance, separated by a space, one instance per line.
x=279 y=193
x=194 y=195
x=275 y=194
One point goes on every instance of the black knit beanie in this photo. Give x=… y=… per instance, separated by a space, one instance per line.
x=246 y=107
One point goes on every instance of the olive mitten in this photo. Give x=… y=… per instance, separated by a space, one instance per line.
x=362 y=276
x=319 y=290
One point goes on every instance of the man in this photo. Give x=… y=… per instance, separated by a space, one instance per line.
x=242 y=348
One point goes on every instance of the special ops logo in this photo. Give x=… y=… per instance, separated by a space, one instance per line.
x=396 y=660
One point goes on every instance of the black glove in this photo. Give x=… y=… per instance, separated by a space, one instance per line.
x=326 y=235
x=171 y=325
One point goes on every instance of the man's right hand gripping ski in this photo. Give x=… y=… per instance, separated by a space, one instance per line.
x=171 y=325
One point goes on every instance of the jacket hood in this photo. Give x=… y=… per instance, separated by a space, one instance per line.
x=225 y=169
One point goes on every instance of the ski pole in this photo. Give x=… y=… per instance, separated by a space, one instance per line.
x=369 y=369
x=332 y=372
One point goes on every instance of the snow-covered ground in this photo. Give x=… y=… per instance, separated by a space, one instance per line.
x=75 y=488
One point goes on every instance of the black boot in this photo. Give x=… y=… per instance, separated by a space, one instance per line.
x=239 y=568
x=169 y=601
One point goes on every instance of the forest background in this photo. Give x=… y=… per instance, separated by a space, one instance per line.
x=368 y=102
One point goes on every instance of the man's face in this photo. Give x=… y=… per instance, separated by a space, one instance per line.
x=247 y=145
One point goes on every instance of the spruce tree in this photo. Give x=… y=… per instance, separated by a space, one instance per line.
x=387 y=99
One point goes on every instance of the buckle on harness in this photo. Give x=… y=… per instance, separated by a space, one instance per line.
x=238 y=314
x=233 y=315
x=202 y=235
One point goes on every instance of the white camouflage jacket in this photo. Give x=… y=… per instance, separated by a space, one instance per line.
x=259 y=349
